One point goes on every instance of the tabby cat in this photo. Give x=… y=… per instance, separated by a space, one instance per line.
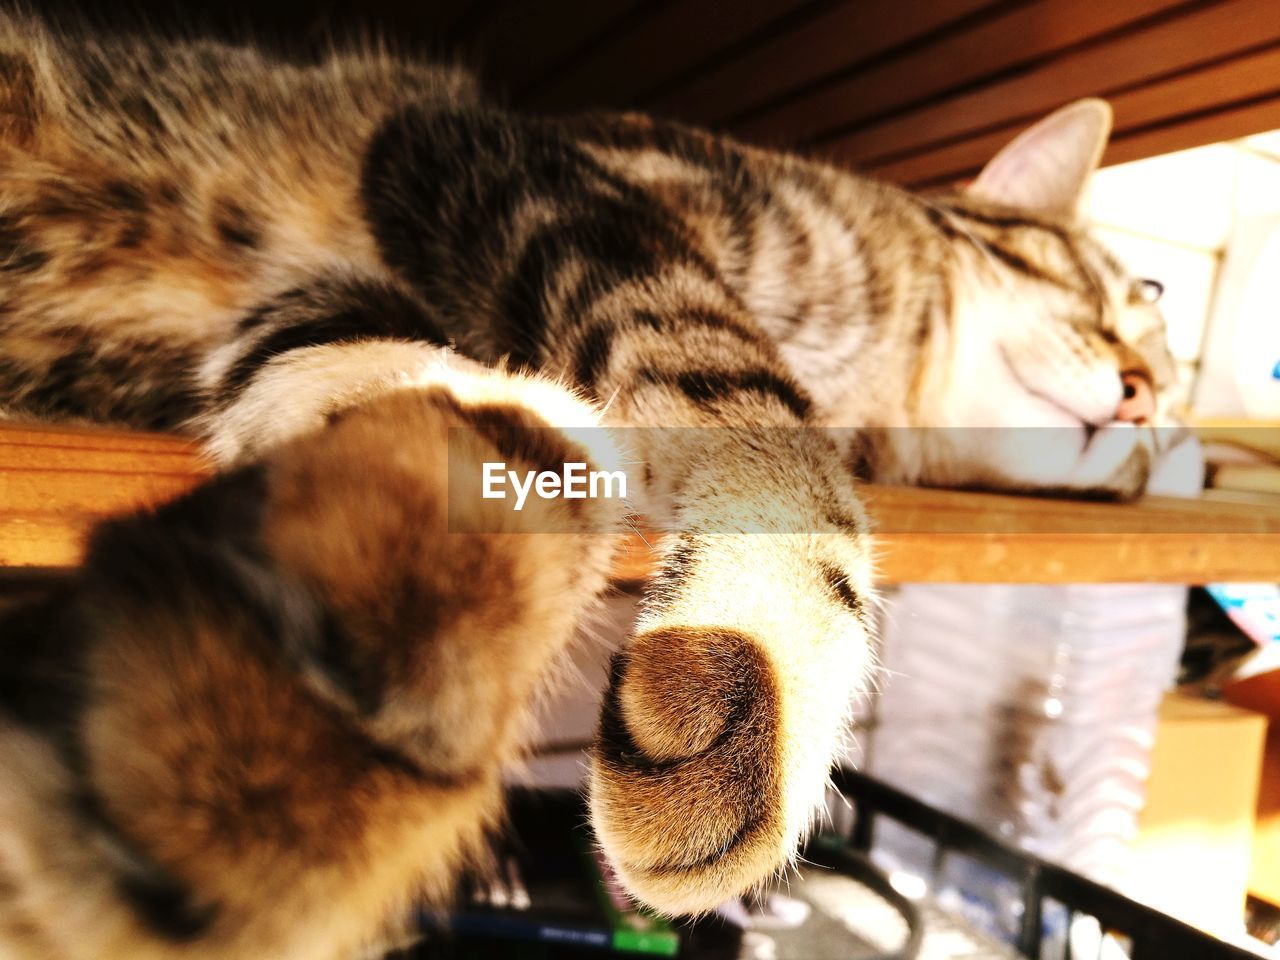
x=267 y=716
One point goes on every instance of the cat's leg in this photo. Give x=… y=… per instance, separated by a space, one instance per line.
x=725 y=712
x=270 y=712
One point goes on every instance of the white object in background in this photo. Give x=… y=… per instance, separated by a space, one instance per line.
x=1254 y=608
x=1029 y=711
x=1240 y=370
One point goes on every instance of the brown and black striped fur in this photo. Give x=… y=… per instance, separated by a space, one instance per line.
x=266 y=717
x=260 y=721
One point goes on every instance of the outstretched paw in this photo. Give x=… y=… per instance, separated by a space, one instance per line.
x=687 y=792
x=724 y=713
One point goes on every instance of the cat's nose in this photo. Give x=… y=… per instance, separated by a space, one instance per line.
x=1139 y=401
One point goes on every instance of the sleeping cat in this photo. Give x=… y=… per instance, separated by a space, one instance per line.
x=266 y=717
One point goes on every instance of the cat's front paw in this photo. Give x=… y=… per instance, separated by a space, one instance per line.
x=724 y=713
x=687 y=791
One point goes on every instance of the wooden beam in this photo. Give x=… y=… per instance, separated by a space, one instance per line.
x=946 y=536
x=674 y=40
x=1228 y=122
x=1132 y=60
x=1017 y=38
x=55 y=484
x=962 y=161
x=1189 y=110
x=521 y=44
x=838 y=37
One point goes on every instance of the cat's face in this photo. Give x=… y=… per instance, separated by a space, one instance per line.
x=1048 y=329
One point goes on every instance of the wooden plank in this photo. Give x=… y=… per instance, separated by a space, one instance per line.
x=932 y=536
x=837 y=38
x=1188 y=110
x=1135 y=59
x=1224 y=124
x=962 y=161
x=522 y=43
x=54 y=484
x=1203 y=90
x=957 y=537
x=1077 y=558
x=671 y=41
x=945 y=536
x=1018 y=38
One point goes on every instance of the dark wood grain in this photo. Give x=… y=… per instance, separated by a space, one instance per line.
x=844 y=35
x=900 y=147
x=673 y=41
x=994 y=47
x=1184 y=111
x=523 y=43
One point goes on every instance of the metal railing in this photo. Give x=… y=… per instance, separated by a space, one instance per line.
x=1152 y=935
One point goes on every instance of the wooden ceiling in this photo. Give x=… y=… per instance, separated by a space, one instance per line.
x=918 y=91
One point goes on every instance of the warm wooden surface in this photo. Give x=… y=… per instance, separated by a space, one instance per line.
x=948 y=536
x=55 y=483
x=1177 y=77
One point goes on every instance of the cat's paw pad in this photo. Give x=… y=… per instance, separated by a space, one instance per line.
x=686 y=789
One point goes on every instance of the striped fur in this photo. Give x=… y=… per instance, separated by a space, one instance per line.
x=318 y=271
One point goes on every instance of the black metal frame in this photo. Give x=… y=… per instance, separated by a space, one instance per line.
x=1153 y=935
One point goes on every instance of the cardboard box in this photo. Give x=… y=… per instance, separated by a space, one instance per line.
x=1193 y=852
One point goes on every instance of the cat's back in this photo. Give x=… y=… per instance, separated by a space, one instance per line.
x=147 y=97
x=156 y=149
x=157 y=194
x=155 y=190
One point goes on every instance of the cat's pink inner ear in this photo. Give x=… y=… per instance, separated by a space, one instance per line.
x=1046 y=168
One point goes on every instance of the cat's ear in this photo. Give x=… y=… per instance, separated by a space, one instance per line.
x=1047 y=168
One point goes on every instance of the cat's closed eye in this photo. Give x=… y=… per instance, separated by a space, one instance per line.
x=1146 y=290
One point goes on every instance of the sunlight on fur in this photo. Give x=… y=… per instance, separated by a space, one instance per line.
x=271 y=717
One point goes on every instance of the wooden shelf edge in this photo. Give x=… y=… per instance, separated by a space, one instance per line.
x=56 y=483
